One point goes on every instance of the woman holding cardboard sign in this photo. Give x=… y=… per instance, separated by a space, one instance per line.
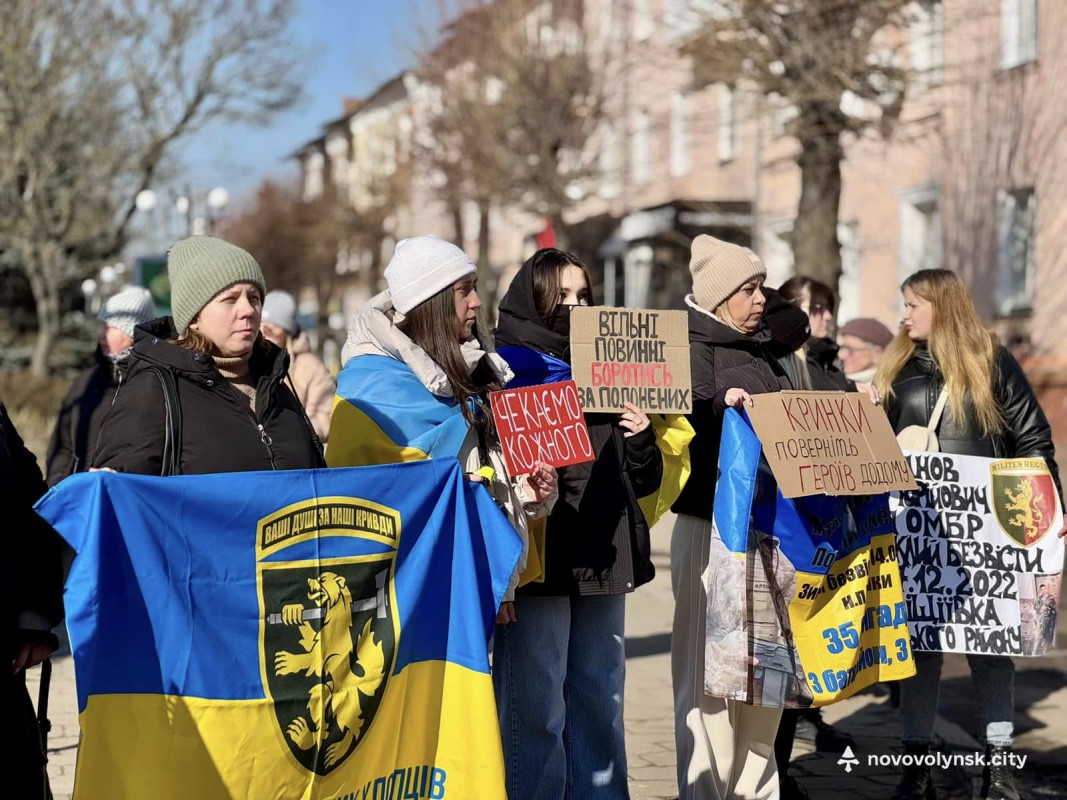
x=559 y=670
x=416 y=380
x=949 y=386
x=725 y=747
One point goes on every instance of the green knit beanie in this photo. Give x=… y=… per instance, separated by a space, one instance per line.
x=200 y=267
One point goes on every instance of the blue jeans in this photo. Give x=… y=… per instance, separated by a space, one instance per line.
x=994 y=683
x=558 y=674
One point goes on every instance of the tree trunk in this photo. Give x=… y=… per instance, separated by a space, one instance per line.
x=816 y=248
x=456 y=210
x=46 y=299
x=563 y=241
x=488 y=283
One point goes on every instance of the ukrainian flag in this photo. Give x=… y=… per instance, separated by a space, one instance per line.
x=383 y=414
x=315 y=634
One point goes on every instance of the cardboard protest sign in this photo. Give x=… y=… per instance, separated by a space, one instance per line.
x=979 y=554
x=805 y=604
x=627 y=355
x=828 y=443
x=541 y=423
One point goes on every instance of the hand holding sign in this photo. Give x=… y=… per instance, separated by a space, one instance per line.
x=634 y=420
x=541 y=482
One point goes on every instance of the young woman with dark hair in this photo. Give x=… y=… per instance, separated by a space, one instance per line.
x=559 y=670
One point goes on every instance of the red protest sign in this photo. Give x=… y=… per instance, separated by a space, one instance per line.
x=541 y=423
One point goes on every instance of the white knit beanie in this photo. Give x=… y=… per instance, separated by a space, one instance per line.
x=421 y=267
x=129 y=308
x=719 y=269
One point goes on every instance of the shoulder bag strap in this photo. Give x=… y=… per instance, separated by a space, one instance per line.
x=172 y=436
x=939 y=409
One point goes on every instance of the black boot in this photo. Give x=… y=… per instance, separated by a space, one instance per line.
x=917 y=782
x=998 y=781
x=789 y=788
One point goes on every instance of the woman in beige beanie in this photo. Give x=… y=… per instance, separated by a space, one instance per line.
x=725 y=747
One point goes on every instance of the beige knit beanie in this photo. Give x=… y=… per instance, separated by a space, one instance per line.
x=720 y=269
x=200 y=267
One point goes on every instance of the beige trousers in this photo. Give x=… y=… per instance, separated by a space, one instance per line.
x=725 y=748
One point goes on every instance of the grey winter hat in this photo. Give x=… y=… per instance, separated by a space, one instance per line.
x=279 y=308
x=421 y=267
x=129 y=308
x=200 y=267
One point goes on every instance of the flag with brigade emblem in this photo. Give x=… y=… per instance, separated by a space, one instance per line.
x=315 y=634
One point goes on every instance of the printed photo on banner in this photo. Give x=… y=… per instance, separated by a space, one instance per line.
x=805 y=604
x=979 y=554
x=631 y=355
x=541 y=423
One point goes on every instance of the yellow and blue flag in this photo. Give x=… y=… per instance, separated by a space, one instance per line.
x=285 y=635
x=383 y=414
x=805 y=604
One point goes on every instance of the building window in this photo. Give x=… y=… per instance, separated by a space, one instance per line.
x=313 y=176
x=680 y=164
x=642 y=148
x=644 y=23
x=727 y=123
x=1016 y=215
x=920 y=230
x=1018 y=32
x=928 y=43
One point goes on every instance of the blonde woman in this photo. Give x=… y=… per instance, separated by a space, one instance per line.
x=991 y=412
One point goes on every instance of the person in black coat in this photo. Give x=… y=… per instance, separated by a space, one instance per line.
x=819 y=353
x=561 y=664
x=31 y=604
x=724 y=747
x=236 y=412
x=91 y=394
x=992 y=412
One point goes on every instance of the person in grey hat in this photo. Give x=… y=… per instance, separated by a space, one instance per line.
x=312 y=382
x=230 y=408
x=78 y=425
x=862 y=342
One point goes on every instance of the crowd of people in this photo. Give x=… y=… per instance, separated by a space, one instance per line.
x=228 y=383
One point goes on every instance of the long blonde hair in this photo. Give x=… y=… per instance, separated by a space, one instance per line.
x=963 y=349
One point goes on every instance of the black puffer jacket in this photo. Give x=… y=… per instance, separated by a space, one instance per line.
x=220 y=433
x=83 y=409
x=597 y=539
x=722 y=358
x=826 y=376
x=1026 y=431
x=31 y=572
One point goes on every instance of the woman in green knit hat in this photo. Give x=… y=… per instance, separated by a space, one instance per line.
x=206 y=392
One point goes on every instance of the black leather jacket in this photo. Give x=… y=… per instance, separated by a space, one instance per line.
x=1026 y=431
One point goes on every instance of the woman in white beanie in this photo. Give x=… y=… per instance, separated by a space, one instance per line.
x=91 y=394
x=416 y=380
x=725 y=747
x=312 y=382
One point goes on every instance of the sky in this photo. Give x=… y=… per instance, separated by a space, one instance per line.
x=353 y=46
